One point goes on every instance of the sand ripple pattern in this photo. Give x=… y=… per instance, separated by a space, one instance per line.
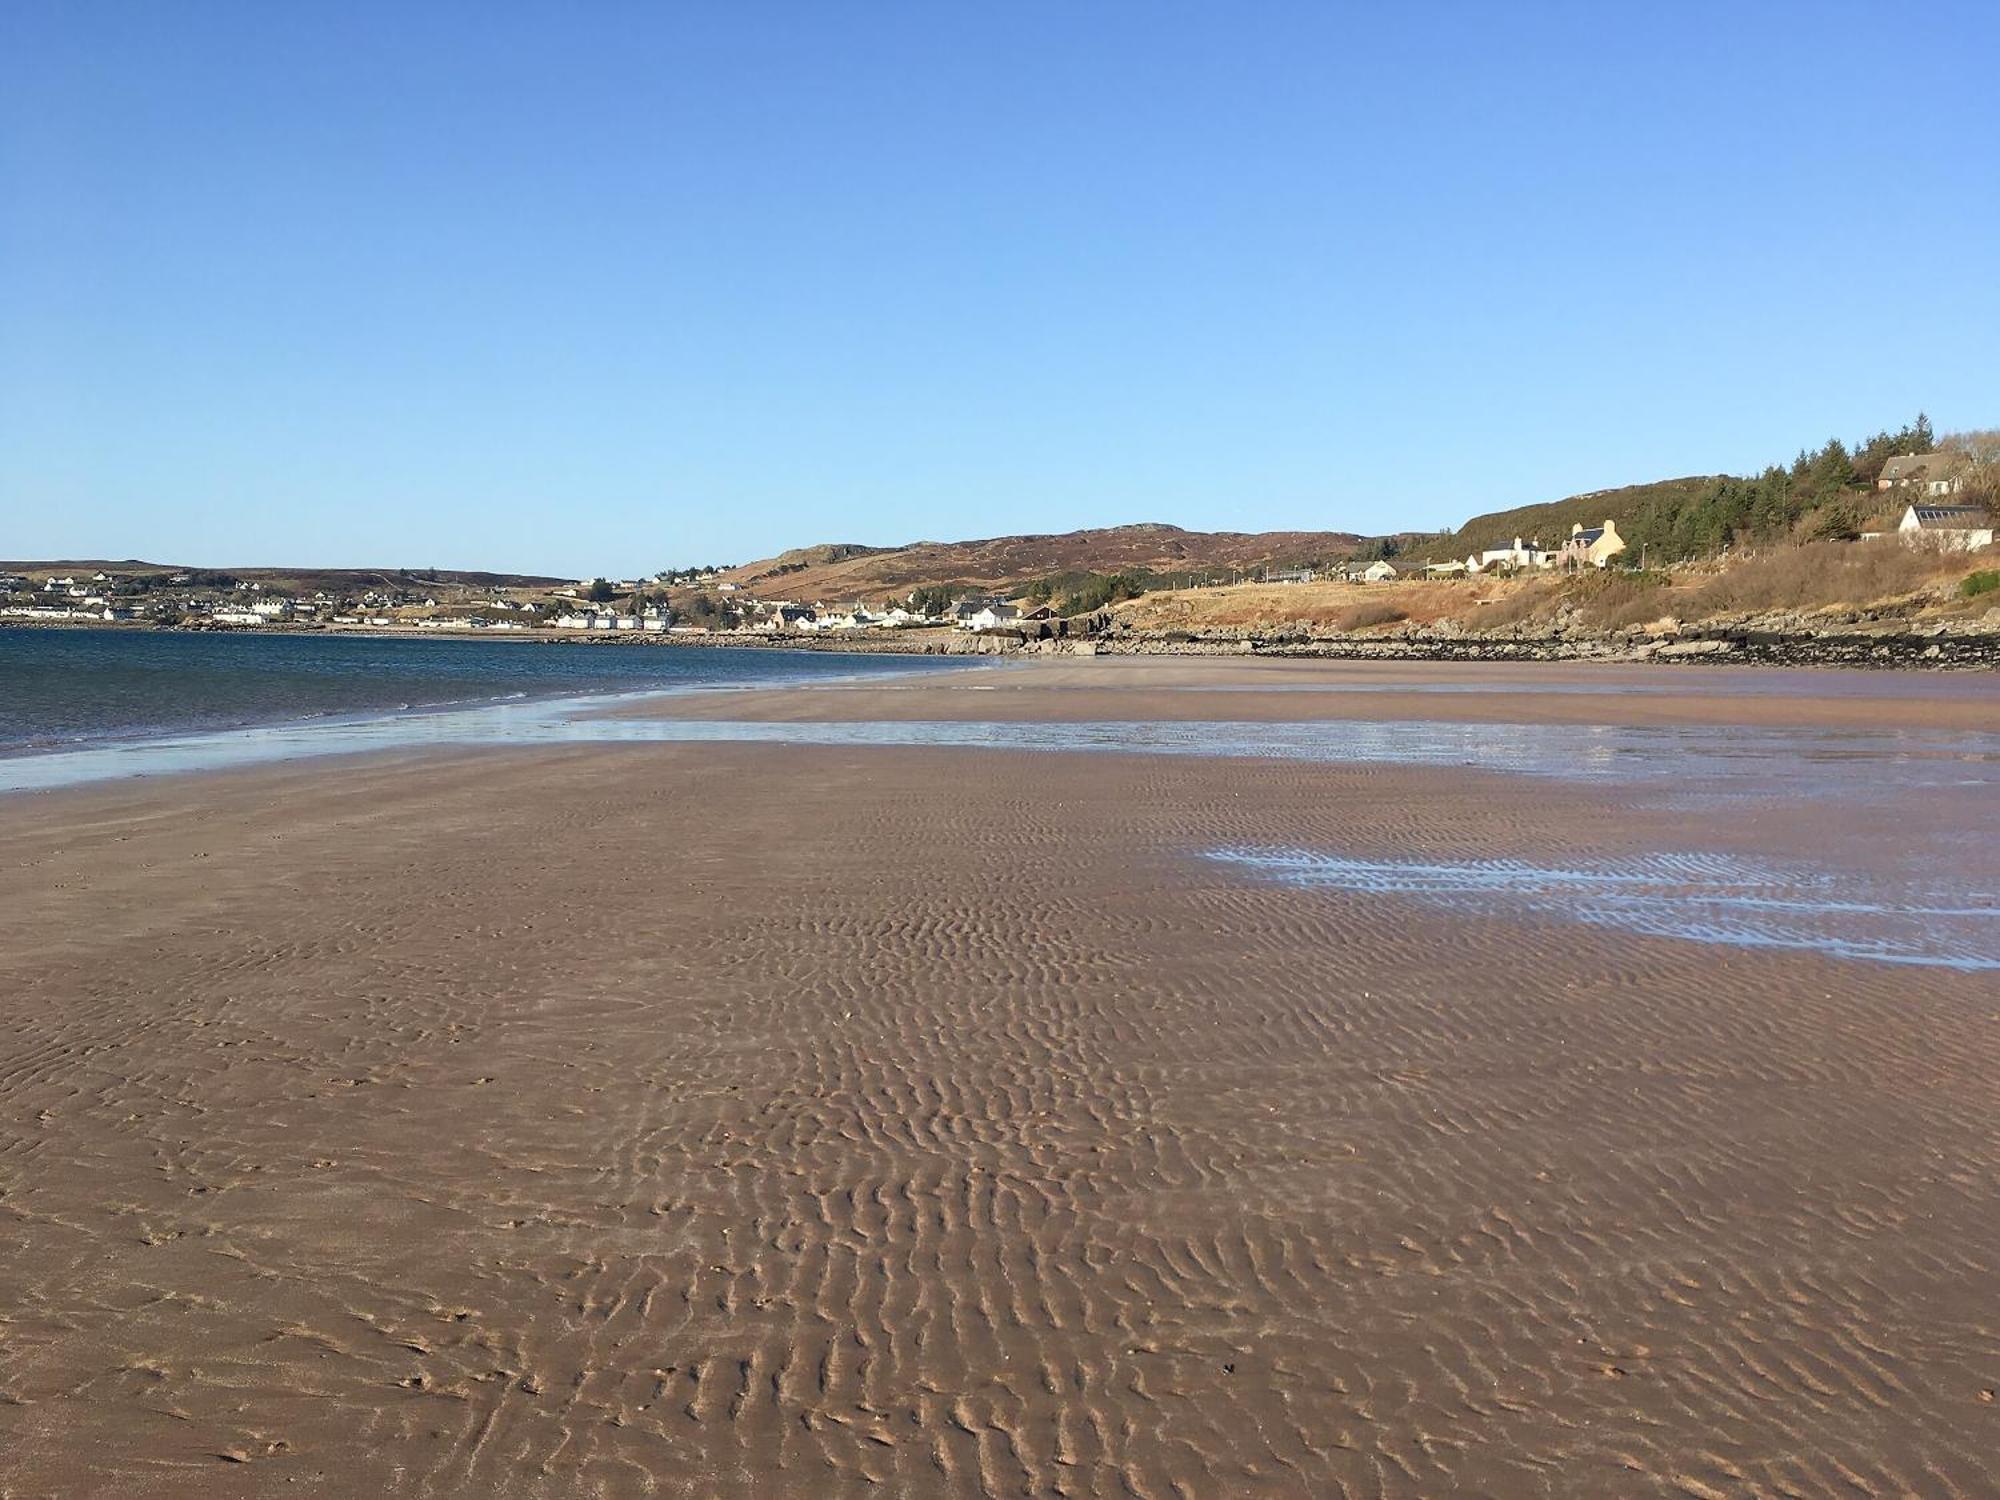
x=754 y=1121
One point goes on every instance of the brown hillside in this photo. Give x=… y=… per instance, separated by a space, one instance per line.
x=846 y=571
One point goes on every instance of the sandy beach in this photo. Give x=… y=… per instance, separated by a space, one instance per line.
x=787 y=1119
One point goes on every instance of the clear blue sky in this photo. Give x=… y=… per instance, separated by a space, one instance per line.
x=621 y=286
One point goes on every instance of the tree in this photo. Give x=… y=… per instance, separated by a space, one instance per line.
x=933 y=599
x=1830 y=471
x=599 y=591
x=1982 y=459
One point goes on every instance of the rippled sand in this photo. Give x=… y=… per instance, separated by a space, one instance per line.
x=725 y=1119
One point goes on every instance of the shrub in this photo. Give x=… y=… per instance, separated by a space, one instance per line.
x=1819 y=574
x=1618 y=597
x=1985 y=581
x=1095 y=590
x=1375 y=612
x=1516 y=607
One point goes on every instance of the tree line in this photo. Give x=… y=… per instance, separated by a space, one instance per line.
x=1824 y=494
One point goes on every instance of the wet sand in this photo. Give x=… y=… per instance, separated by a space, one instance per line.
x=1167 y=688
x=780 y=1120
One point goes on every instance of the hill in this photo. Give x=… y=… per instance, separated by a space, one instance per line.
x=1827 y=493
x=1011 y=563
x=292 y=580
x=1550 y=521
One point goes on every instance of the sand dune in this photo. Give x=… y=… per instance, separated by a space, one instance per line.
x=753 y=1120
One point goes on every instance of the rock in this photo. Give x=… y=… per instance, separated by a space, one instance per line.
x=1696 y=648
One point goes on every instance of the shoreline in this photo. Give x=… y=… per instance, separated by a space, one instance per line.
x=1106 y=703
x=1928 y=646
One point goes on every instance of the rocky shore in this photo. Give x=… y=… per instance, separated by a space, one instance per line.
x=1788 y=640
x=1761 y=642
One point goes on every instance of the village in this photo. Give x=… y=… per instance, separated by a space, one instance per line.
x=727 y=603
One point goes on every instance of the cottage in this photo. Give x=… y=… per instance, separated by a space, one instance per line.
x=1591 y=546
x=1932 y=473
x=1954 y=528
x=1379 y=572
x=1521 y=555
x=780 y=618
x=983 y=614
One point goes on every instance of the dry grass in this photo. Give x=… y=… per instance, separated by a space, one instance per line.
x=1612 y=601
x=1374 y=612
x=1530 y=599
x=1826 y=575
x=1314 y=605
x=1818 y=575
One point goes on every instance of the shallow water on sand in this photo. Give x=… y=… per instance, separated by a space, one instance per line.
x=1949 y=917
x=1707 y=898
x=1665 y=763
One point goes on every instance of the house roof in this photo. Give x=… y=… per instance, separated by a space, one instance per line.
x=1952 y=517
x=1905 y=466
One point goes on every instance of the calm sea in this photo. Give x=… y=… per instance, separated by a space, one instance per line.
x=63 y=688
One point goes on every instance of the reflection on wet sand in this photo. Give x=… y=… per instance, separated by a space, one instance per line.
x=1683 y=759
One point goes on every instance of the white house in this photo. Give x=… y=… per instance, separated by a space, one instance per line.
x=595 y=620
x=1380 y=571
x=856 y=617
x=780 y=618
x=986 y=614
x=1520 y=556
x=1955 y=528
